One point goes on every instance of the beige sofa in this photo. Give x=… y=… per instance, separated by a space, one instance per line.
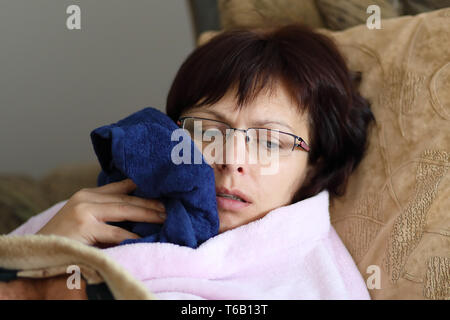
x=395 y=216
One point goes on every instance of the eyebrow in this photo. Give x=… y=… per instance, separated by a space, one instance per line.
x=221 y=117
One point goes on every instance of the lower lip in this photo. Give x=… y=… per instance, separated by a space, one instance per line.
x=230 y=204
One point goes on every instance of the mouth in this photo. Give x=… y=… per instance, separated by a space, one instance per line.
x=232 y=200
x=230 y=196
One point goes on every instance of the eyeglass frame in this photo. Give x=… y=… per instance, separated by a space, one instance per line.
x=302 y=145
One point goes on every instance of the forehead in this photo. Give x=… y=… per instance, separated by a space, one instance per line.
x=270 y=103
x=273 y=108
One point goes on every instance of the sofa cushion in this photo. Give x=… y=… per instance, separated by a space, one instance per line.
x=22 y=196
x=263 y=13
x=419 y=6
x=342 y=14
x=394 y=214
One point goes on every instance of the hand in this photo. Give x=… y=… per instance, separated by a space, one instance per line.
x=85 y=214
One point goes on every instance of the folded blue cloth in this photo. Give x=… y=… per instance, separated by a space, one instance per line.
x=139 y=147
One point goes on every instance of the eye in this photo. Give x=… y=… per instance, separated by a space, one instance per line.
x=272 y=145
x=211 y=132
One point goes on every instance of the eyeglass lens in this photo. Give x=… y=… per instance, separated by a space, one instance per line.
x=259 y=141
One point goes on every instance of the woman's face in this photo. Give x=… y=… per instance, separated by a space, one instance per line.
x=265 y=192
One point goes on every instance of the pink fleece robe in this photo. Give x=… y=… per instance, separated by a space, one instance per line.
x=291 y=253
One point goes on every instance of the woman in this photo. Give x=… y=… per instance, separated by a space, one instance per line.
x=290 y=81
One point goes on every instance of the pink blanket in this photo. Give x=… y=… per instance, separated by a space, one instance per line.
x=291 y=253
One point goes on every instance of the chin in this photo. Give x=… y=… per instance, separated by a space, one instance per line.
x=222 y=228
x=226 y=222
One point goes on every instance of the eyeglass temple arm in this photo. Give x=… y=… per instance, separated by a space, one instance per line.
x=302 y=145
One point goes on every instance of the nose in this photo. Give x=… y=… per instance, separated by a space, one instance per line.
x=235 y=154
x=232 y=168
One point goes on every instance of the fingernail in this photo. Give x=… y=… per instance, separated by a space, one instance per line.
x=162 y=215
x=161 y=206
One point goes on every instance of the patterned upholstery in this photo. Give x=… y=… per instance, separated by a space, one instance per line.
x=395 y=213
x=330 y=14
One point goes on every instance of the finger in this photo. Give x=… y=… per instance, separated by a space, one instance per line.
x=125 y=186
x=113 y=234
x=137 y=201
x=115 y=212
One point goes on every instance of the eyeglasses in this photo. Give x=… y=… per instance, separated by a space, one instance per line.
x=256 y=138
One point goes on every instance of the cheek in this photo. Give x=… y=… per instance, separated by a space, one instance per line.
x=297 y=173
x=280 y=187
x=294 y=168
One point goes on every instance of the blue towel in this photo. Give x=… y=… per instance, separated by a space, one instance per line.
x=139 y=147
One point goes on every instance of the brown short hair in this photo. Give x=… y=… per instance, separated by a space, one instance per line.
x=315 y=75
